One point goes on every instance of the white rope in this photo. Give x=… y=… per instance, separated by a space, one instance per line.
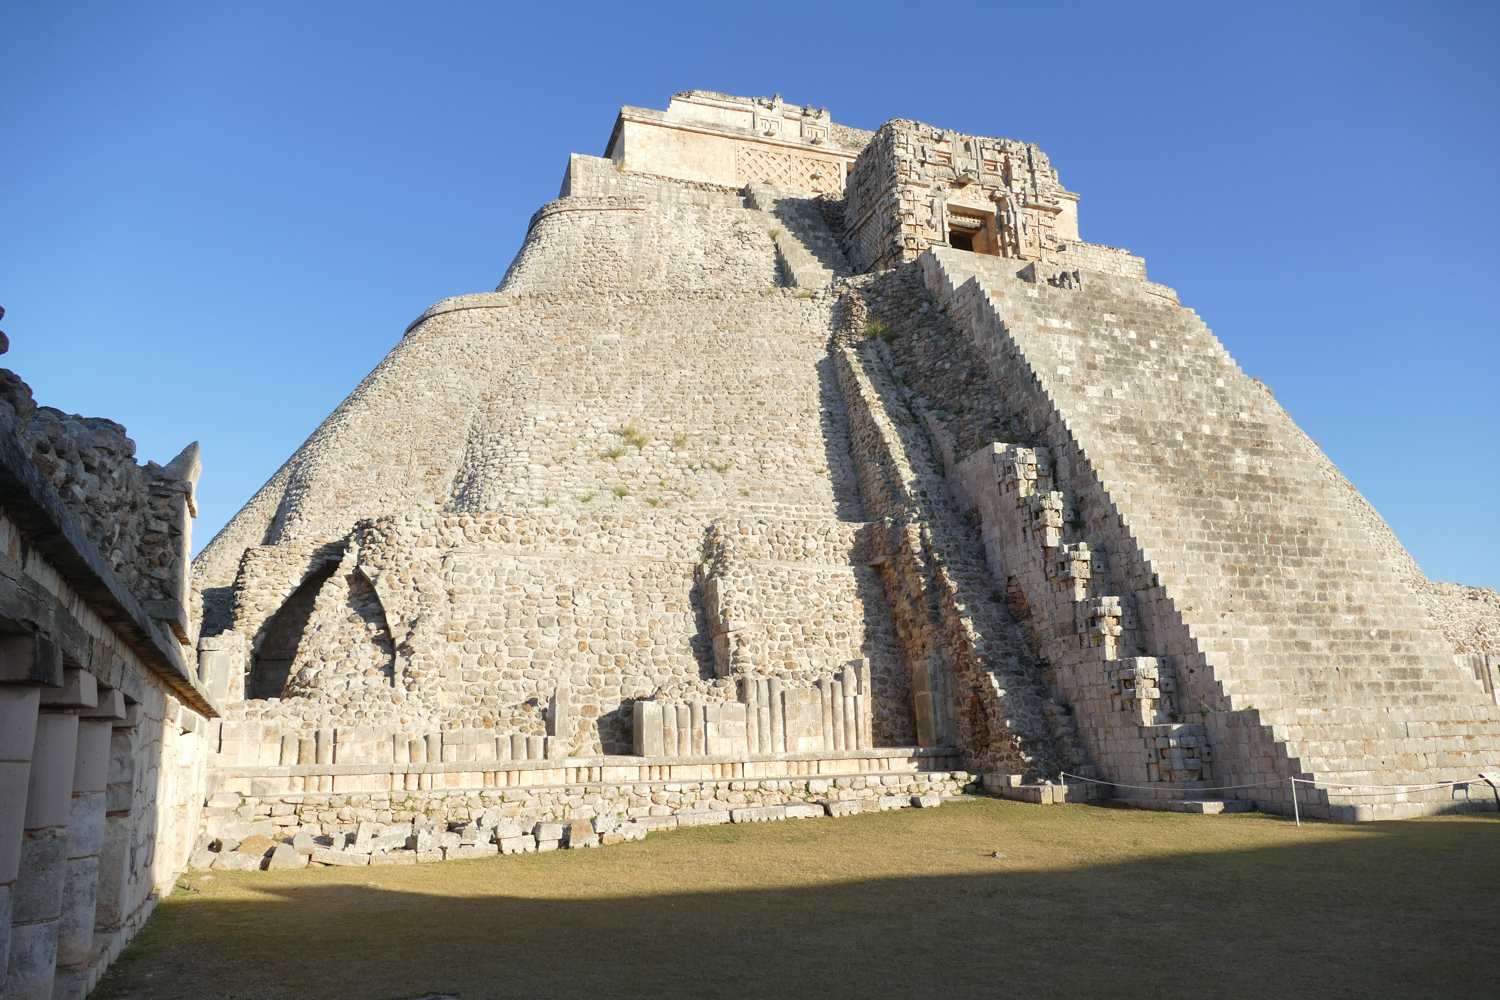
x=1331 y=786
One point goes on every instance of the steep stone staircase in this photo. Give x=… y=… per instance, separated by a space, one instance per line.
x=809 y=254
x=1299 y=645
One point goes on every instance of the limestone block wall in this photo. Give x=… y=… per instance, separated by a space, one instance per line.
x=662 y=796
x=800 y=602
x=103 y=741
x=1295 y=645
x=690 y=240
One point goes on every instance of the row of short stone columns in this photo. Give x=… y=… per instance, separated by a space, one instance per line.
x=54 y=771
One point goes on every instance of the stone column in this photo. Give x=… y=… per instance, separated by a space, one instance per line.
x=18 y=710
x=75 y=936
x=114 y=903
x=37 y=904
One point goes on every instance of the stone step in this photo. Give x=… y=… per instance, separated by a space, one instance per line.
x=1205 y=807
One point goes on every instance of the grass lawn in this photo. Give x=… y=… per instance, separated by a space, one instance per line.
x=1083 y=901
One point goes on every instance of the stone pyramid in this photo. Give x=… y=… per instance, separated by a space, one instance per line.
x=783 y=444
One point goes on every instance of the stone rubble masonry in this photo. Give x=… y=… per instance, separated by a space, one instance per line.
x=138 y=517
x=413 y=827
x=749 y=470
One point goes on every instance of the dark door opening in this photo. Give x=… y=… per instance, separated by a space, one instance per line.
x=960 y=239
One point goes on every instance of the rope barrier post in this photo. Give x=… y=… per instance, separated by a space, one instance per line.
x=1492 y=778
x=1296 y=811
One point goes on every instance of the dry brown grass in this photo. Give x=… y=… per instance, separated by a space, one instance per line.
x=1085 y=902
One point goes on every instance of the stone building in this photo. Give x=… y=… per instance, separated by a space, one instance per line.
x=104 y=723
x=787 y=452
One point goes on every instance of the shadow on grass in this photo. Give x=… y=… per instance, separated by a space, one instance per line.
x=1403 y=910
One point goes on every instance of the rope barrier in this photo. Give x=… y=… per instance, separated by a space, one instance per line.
x=1322 y=784
x=1155 y=788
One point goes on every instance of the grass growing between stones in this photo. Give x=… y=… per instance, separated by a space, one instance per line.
x=1084 y=902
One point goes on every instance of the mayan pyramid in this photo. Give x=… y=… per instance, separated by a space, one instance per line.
x=783 y=444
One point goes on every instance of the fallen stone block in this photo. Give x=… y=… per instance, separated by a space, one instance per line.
x=926 y=801
x=285 y=857
x=757 y=814
x=523 y=843
x=394 y=858
x=804 y=810
x=470 y=833
x=202 y=860
x=659 y=822
x=389 y=842
x=428 y=857
x=234 y=861
x=547 y=831
x=894 y=802
x=606 y=823
x=632 y=830
x=303 y=843
x=580 y=833
x=256 y=845
x=507 y=829
x=345 y=858
x=236 y=830
x=548 y=845
x=448 y=840
x=699 y=817
x=845 y=807
x=471 y=851
x=363 y=834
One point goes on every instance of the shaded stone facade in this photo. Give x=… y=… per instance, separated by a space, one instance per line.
x=104 y=721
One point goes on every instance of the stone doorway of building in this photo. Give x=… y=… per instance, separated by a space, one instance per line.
x=973 y=231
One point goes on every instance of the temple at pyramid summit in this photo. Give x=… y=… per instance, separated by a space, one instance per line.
x=792 y=470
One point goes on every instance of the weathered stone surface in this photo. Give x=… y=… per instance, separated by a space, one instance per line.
x=285 y=857
x=523 y=843
x=580 y=833
x=471 y=851
x=257 y=845
x=349 y=858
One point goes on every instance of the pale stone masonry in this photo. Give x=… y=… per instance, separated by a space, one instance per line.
x=104 y=721
x=788 y=455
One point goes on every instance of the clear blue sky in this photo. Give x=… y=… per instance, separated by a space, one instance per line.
x=215 y=218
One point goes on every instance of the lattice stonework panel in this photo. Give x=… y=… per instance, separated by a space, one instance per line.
x=772 y=166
